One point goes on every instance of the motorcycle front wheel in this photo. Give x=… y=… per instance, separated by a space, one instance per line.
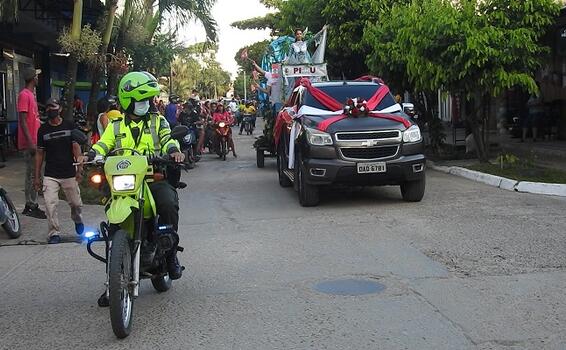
x=12 y=225
x=119 y=288
x=223 y=149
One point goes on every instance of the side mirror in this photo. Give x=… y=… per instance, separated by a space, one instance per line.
x=179 y=132
x=79 y=137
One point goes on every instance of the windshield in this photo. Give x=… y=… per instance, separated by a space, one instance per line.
x=342 y=93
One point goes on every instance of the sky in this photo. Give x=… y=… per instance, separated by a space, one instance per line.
x=231 y=39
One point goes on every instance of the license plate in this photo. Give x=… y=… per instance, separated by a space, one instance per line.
x=370 y=168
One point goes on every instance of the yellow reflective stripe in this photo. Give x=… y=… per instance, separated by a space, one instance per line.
x=117 y=134
x=154 y=136
x=103 y=146
x=100 y=148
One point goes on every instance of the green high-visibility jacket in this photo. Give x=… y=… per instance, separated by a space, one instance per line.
x=154 y=137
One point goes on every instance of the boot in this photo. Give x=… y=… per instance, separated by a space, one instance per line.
x=103 y=300
x=174 y=269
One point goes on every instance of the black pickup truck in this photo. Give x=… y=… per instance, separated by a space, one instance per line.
x=383 y=147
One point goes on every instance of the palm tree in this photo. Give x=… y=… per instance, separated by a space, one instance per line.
x=184 y=11
x=98 y=71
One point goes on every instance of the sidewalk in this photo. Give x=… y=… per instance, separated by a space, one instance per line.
x=549 y=154
x=34 y=231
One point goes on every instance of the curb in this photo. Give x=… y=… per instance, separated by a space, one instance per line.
x=502 y=182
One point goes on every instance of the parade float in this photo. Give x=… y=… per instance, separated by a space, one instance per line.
x=289 y=59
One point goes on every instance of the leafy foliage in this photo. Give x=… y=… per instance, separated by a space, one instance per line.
x=255 y=53
x=155 y=57
x=197 y=68
x=86 y=48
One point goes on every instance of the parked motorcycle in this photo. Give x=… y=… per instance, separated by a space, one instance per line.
x=9 y=218
x=248 y=124
x=136 y=246
x=223 y=135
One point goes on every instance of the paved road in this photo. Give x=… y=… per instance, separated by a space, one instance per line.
x=470 y=267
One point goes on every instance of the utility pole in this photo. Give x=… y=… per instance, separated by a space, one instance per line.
x=170 y=79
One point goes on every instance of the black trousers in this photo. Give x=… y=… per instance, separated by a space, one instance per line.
x=167 y=203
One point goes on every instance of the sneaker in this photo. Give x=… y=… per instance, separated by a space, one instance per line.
x=34 y=212
x=79 y=228
x=55 y=239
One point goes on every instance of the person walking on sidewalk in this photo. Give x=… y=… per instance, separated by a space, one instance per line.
x=27 y=138
x=56 y=147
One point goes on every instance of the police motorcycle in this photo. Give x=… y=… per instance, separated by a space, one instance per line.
x=190 y=117
x=135 y=245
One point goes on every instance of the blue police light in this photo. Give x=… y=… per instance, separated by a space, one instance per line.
x=90 y=234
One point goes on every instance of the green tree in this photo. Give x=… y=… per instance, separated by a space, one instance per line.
x=255 y=53
x=476 y=48
x=142 y=19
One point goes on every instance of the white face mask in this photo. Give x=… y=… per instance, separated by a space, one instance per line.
x=141 y=108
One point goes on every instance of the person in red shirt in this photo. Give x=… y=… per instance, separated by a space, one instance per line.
x=78 y=104
x=221 y=115
x=29 y=124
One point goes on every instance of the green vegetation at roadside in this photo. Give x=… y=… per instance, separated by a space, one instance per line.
x=522 y=172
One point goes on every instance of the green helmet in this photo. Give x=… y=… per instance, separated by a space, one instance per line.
x=136 y=86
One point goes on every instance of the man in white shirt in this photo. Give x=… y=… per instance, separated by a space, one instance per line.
x=273 y=88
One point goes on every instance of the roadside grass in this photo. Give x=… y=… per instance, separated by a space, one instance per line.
x=522 y=172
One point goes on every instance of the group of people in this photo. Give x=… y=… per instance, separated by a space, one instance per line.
x=207 y=115
x=126 y=121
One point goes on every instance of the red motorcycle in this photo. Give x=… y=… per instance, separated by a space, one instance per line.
x=223 y=132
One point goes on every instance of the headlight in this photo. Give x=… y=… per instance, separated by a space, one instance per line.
x=318 y=138
x=221 y=124
x=124 y=182
x=412 y=134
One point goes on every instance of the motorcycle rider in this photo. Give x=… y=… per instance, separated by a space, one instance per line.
x=150 y=134
x=221 y=115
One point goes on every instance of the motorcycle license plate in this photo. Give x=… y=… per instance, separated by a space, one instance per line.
x=372 y=168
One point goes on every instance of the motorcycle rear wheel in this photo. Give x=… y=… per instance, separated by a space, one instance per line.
x=119 y=290
x=12 y=225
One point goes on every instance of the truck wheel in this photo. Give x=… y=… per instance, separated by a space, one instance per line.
x=308 y=194
x=260 y=158
x=413 y=191
x=283 y=179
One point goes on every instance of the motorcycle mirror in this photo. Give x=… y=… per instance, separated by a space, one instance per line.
x=79 y=137
x=179 y=132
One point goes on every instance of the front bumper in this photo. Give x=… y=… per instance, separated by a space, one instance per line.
x=338 y=171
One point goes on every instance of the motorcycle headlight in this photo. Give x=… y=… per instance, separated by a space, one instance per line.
x=318 y=138
x=124 y=182
x=412 y=134
x=221 y=124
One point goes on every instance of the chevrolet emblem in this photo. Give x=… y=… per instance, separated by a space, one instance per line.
x=369 y=143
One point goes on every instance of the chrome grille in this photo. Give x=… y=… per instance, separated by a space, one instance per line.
x=368 y=135
x=369 y=153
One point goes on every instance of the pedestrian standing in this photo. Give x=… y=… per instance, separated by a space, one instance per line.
x=171 y=112
x=536 y=114
x=56 y=147
x=27 y=138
